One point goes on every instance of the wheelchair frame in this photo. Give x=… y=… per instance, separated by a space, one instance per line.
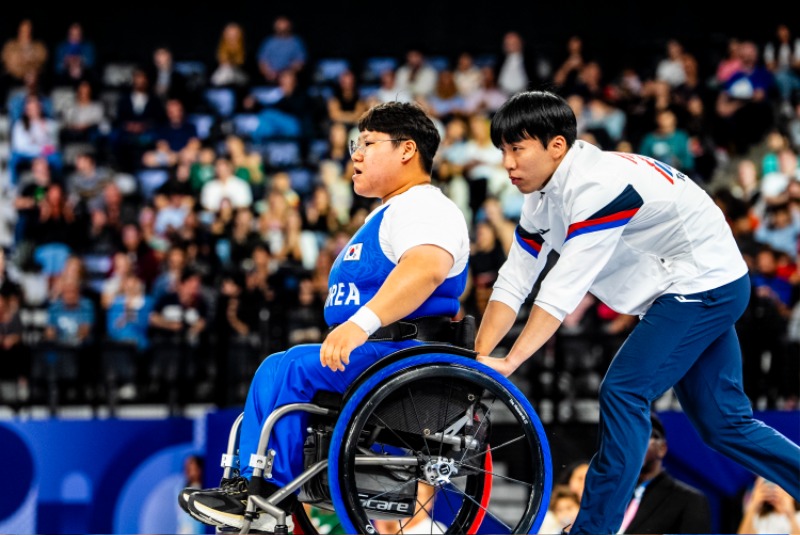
x=430 y=359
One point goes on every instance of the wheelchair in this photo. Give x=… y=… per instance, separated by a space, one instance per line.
x=428 y=433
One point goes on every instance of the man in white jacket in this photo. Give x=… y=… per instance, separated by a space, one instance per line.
x=646 y=240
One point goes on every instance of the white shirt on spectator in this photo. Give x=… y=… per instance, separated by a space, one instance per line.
x=512 y=77
x=235 y=189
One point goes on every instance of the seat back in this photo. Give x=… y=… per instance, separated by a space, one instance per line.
x=327 y=70
x=52 y=257
x=221 y=100
x=375 y=66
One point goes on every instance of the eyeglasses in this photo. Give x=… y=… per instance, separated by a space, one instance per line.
x=362 y=147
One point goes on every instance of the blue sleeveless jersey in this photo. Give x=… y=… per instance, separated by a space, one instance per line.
x=362 y=267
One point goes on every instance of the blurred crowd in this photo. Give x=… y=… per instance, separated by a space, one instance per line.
x=168 y=224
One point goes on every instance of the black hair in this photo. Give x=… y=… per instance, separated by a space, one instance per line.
x=404 y=120
x=658 y=430
x=539 y=115
x=188 y=272
x=566 y=473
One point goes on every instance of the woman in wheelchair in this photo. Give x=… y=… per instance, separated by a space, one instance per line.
x=418 y=418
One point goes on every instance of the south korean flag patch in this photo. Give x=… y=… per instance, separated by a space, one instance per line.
x=353 y=252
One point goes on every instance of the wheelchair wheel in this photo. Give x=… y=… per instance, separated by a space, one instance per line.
x=439 y=443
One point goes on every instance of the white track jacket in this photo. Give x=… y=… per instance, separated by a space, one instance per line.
x=628 y=229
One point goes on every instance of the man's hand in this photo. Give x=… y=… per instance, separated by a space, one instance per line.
x=335 y=350
x=500 y=365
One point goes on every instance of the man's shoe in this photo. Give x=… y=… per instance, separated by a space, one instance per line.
x=183 y=496
x=226 y=506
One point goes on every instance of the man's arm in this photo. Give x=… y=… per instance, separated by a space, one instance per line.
x=496 y=322
x=418 y=273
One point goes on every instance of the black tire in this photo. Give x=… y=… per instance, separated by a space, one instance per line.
x=398 y=411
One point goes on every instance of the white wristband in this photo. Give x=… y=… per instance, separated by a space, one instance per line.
x=366 y=319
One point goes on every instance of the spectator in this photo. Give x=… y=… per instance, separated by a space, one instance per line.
x=561 y=511
x=70 y=317
x=231 y=55
x=290 y=116
x=388 y=89
x=181 y=315
x=242 y=237
x=171 y=215
x=31 y=87
x=416 y=77
x=121 y=267
x=745 y=185
x=86 y=184
x=445 y=101
x=566 y=76
x=32 y=189
x=467 y=76
x=730 y=64
x=248 y=164
x=605 y=120
x=171 y=137
x=225 y=185
x=744 y=103
x=337 y=148
x=449 y=164
x=179 y=323
x=769 y=509
x=74 y=60
x=13 y=352
x=85 y=120
x=34 y=135
x=175 y=261
x=668 y=143
x=662 y=504
x=345 y=104
x=514 y=73
x=22 y=55
x=793 y=124
x=774 y=142
x=202 y=169
x=486 y=257
x=762 y=329
x=339 y=188
x=319 y=216
x=574 y=477
x=128 y=314
x=670 y=69
x=168 y=83
x=178 y=181
x=775 y=185
x=281 y=51
x=138 y=112
x=56 y=222
x=146 y=263
x=589 y=82
x=193 y=470
x=488 y=97
x=492 y=211
x=701 y=141
x=780 y=228
x=782 y=58
x=769 y=283
x=483 y=164
x=101 y=238
x=120 y=209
